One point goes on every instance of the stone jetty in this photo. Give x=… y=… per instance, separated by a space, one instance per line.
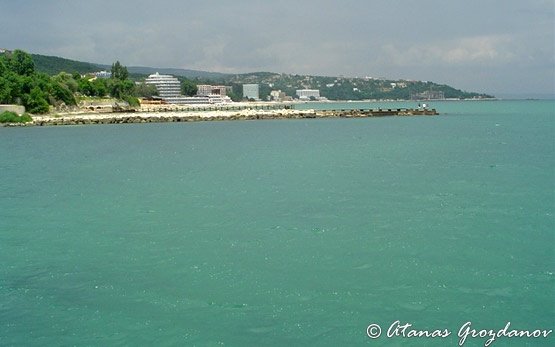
x=169 y=115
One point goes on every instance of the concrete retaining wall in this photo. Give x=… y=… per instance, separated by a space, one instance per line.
x=13 y=108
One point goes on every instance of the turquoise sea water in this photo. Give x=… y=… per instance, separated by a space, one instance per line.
x=280 y=232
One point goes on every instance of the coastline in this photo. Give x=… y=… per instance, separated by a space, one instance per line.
x=149 y=113
x=215 y=114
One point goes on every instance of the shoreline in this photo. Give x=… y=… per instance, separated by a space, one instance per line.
x=213 y=115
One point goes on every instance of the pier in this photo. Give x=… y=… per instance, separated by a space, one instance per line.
x=287 y=106
x=379 y=112
x=208 y=108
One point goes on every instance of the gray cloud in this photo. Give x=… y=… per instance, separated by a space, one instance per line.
x=484 y=45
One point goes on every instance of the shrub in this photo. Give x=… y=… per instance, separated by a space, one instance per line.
x=35 y=102
x=12 y=117
x=132 y=101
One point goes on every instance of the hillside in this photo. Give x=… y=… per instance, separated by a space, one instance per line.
x=191 y=74
x=333 y=88
x=53 y=65
x=350 y=88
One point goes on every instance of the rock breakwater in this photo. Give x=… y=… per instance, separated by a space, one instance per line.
x=222 y=115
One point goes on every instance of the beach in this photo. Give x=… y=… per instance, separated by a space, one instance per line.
x=214 y=113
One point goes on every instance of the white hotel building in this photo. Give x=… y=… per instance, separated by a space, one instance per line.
x=307 y=93
x=167 y=85
x=169 y=89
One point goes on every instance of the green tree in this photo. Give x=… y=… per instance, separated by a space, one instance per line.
x=67 y=81
x=35 y=102
x=132 y=101
x=235 y=96
x=188 y=87
x=19 y=86
x=62 y=93
x=41 y=80
x=100 y=87
x=120 y=88
x=85 y=87
x=119 y=71
x=145 y=90
x=116 y=89
x=2 y=65
x=5 y=91
x=22 y=63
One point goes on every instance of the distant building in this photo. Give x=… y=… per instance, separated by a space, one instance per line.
x=167 y=85
x=196 y=100
x=206 y=89
x=428 y=95
x=169 y=89
x=251 y=91
x=278 y=95
x=308 y=93
x=103 y=74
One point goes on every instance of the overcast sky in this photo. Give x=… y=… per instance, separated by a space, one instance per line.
x=504 y=46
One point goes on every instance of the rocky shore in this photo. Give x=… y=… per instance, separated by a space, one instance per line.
x=220 y=115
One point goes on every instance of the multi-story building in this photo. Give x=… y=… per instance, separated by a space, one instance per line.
x=251 y=91
x=169 y=89
x=103 y=74
x=278 y=95
x=167 y=85
x=206 y=89
x=308 y=93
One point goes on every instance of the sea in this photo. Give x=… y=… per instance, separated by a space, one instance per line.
x=390 y=231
